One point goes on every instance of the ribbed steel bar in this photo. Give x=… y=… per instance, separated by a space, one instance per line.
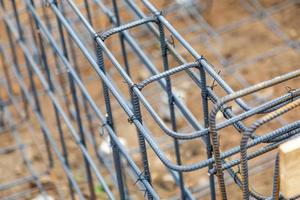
x=246 y=136
x=214 y=135
x=115 y=93
x=64 y=47
x=63 y=115
x=95 y=107
x=47 y=132
x=110 y=122
x=164 y=54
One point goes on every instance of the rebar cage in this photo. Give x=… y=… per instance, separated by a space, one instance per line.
x=119 y=99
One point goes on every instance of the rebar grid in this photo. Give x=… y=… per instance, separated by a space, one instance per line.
x=63 y=72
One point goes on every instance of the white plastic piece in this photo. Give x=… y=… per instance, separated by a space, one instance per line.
x=184 y=2
x=43 y=197
x=105 y=146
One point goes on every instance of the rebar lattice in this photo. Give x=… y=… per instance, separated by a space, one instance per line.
x=95 y=117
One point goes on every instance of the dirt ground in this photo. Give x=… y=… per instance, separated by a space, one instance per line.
x=239 y=41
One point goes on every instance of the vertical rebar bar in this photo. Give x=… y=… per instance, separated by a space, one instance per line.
x=44 y=60
x=205 y=95
x=110 y=122
x=142 y=143
x=164 y=53
x=77 y=113
x=15 y=60
x=32 y=82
